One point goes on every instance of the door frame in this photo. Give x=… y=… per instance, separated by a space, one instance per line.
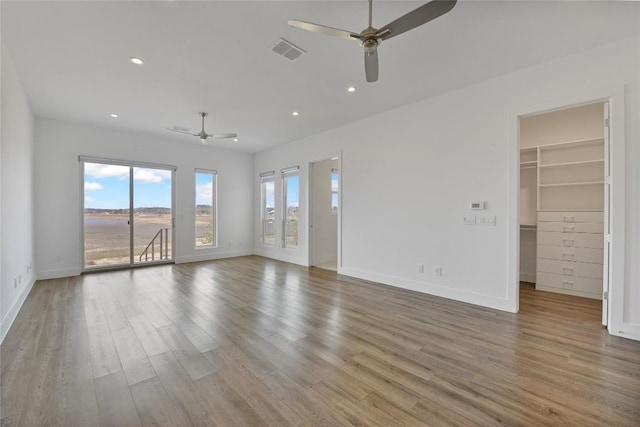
x=615 y=97
x=310 y=211
x=131 y=164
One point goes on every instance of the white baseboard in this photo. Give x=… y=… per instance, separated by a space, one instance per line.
x=431 y=289
x=278 y=255
x=628 y=330
x=11 y=315
x=56 y=274
x=212 y=256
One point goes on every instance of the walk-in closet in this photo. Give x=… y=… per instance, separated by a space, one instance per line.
x=563 y=199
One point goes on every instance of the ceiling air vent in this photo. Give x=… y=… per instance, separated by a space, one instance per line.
x=288 y=50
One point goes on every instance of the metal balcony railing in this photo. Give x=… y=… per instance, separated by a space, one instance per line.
x=163 y=236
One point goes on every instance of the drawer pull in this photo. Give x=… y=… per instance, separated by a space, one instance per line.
x=567 y=284
x=567 y=270
x=567 y=256
x=568 y=218
x=568 y=242
x=567 y=228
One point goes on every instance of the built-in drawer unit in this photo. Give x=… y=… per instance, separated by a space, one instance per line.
x=580 y=286
x=570 y=217
x=570 y=252
x=591 y=255
x=572 y=227
x=571 y=240
x=570 y=268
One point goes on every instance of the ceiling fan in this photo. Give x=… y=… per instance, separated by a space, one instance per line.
x=370 y=38
x=202 y=134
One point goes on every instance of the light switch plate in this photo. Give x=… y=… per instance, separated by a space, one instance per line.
x=469 y=219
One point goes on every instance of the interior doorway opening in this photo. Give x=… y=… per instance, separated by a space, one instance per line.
x=324 y=187
x=127 y=214
x=564 y=205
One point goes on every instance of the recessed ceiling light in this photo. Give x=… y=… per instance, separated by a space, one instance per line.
x=235 y=139
x=295 y=113
x=136 y=60
x=351 y=89
x=114 y=115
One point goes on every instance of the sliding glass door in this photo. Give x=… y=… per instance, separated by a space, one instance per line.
x=127 y=214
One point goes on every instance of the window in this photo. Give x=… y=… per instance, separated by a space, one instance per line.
x=291 y=196
x=205 y=219
x=334 y=190
x=268 y=208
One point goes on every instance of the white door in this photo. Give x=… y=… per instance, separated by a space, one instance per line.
x=607 y=226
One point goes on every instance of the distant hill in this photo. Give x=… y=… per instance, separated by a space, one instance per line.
x=140 y=211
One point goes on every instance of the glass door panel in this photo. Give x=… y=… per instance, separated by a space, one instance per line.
x=106 y=215
x=152 y=219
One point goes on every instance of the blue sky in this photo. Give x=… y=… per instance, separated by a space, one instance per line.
x=107 y=187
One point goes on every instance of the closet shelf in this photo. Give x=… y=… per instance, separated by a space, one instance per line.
x=581 y=143
x=529 y=163
x=528 y=227
x=586 y=162
x=571 y=184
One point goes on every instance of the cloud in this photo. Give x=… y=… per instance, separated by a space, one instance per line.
x=142 y=175
x=88 y=200
x=92 y=186
x=203 y=193
x=150 y=176
x=97 y=171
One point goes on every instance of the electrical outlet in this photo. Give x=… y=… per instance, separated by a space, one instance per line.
x=438 y=271
x=469 y=220
x=15 y=283
x=420 y=268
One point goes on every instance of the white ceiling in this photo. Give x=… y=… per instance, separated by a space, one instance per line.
x=214 y=56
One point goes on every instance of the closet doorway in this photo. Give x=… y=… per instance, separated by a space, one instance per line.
x=564 y=202
x=324 y=188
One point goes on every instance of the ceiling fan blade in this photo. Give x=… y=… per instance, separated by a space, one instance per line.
x=415 y=18
x=328 y=31
x=223 y=135
x=182 y=131
x=371 y=65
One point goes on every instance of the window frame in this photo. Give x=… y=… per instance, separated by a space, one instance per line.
x=335 y=193
x=265 y=178
x=288 y=173
x=214 y=208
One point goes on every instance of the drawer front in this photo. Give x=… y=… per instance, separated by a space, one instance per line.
x=569 y=268
x=580 y=284
x=572 y=227
x=571 y=240
x=594 y=256
x=570 y=216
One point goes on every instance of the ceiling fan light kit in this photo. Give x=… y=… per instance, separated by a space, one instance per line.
x=370 y=38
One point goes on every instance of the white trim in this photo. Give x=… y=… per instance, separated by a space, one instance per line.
x=615 y=96
x=105 y=161
x=212 y=256
x=11 y=315
x=56 y=274
x=281 y=256
x=431 y=289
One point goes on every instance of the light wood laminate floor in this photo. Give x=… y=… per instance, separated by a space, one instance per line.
x=250 y=341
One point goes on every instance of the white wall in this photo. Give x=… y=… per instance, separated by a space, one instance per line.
x=324 y=220
x=16 y=196
x=58 y=191
x=408 y=175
